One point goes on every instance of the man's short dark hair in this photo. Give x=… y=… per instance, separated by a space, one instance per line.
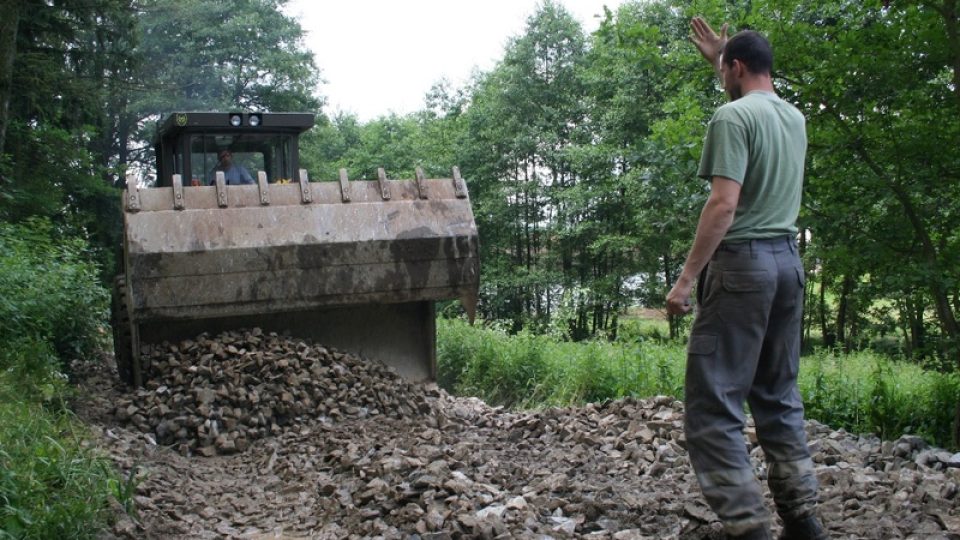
x=752 y=49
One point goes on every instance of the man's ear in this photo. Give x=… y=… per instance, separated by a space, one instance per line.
x=739 y=68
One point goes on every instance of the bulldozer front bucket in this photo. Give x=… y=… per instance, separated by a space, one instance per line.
x=354 y=265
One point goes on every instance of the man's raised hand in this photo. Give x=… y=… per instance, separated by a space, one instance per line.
x=707 y=41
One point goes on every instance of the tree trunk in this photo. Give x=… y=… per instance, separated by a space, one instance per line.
x=9 y=23
x=843 y=336
x=804 y=327
x=124 y=123
x=951 y=21
x=668 y=277
x=614 y=320
x=841 y=328
x=829 y=338
x=956 y=426
x=904 y=326
x=913 y=312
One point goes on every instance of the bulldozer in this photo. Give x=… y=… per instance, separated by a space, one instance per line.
x=235 y=235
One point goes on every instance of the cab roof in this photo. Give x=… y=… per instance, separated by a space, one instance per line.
x=233 y=122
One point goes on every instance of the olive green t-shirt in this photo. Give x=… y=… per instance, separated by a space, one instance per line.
x=760 y=142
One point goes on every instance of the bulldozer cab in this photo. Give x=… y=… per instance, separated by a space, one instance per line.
x=190 y=144
x=354 y=264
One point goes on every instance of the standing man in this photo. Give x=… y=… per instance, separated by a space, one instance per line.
x=745 y=341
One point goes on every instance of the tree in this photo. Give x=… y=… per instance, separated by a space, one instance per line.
x=210 y=55
x=65 y=61
x=873 y=80
x=8 y=52
x=524 y=115
x=651 y=101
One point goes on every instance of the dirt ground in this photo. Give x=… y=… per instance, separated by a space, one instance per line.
x=457 y=468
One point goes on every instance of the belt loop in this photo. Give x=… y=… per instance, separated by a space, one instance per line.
x=753 y=249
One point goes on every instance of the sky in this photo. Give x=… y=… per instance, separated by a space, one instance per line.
x=382 y=56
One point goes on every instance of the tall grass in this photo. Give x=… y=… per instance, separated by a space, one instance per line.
x=861 y=392
x=867 y=392
x=51 y=484
x=529 y=370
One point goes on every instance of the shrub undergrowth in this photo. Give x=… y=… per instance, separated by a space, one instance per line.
x=52 y=484
x=860 y=392
x=50 y=289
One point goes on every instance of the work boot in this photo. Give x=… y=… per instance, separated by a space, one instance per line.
x=760 y=533
x=805 y=528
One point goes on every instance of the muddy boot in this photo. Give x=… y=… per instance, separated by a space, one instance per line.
x=805 y=528
x=794 y=488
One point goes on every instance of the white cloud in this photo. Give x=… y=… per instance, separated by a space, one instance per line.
x=381 y=56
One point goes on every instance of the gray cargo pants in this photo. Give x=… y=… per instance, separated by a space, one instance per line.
x=745 y=346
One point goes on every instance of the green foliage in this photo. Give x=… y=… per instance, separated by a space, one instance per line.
x=69 y=60
x=478 y=365
x=639 y=329
x=52 y=294
x=51 y=484
x=35 y=368
x=207 y=55
x=580 y=153
x=399 y=144
x=52 y=176
x=873 y=80
x=389 y=142
x=651 y=106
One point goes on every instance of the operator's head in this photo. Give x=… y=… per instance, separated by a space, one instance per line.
x=746 y=54
x=225 y=157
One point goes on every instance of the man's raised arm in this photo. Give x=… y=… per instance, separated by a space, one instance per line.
x=708 y=42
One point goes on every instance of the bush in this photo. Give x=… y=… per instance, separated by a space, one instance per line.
x=52 y=309
x=478 y=363
x=50 y=290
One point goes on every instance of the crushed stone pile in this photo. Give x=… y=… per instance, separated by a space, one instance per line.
x=215 y=395
x=360 y=453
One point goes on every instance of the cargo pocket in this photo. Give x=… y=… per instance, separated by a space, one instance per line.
x=744 y=280
x=701 y=367
x=801 y=277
